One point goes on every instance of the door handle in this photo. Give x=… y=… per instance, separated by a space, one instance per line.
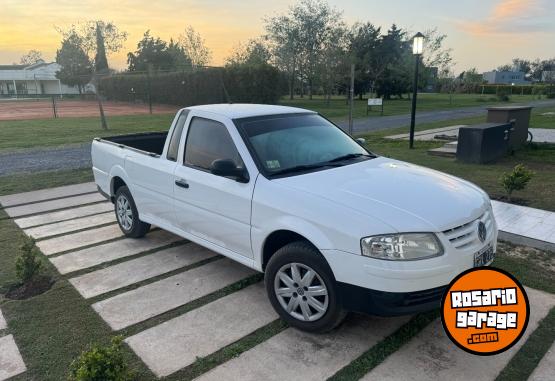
x=181 y=183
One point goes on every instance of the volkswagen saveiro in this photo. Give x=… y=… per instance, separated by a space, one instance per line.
x=282 y=190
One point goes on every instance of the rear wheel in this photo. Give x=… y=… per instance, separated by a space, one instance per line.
x=127 y=214
x=301 y=288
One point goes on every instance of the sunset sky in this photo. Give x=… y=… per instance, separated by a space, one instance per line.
x=482 y=33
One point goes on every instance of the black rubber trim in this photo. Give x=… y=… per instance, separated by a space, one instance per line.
x=381 y=303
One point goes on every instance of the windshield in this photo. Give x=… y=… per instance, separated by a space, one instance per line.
x=296 y=143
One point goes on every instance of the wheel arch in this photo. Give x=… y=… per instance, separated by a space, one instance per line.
x=278 y=239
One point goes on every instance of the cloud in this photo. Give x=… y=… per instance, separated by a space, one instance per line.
x=509 y=17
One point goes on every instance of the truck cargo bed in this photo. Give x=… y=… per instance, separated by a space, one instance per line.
x=149 y=142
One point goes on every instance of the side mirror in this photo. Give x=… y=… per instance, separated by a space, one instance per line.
x=227 y=168
x=360 y=141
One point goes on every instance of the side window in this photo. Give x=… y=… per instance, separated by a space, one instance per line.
x=208 y=140
x=173 y=147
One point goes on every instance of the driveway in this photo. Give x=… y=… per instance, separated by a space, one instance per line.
x=153 y=291
x=79 y=156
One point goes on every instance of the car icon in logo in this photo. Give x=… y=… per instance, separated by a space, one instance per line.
x=482 y=232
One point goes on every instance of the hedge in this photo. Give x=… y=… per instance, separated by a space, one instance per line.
x=236 y=83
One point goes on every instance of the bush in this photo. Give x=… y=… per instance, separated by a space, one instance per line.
x=28 y=265
x=517 y=179
x=238 y=83
x=101 y=363
x=503 y=95
x=551 y=95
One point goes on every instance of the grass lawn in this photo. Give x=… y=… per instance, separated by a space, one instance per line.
x=56 y=132
x=540 y=192
x=338 y=109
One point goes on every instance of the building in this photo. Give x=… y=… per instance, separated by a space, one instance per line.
x=505 y=77
x=36 y=79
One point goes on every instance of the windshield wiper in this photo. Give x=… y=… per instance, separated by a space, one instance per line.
x=304 y=167
x=348 y=156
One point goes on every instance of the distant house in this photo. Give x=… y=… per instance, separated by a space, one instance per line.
x=505 y=77
x=36 y=79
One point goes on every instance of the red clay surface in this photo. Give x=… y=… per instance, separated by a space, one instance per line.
x=42 y=109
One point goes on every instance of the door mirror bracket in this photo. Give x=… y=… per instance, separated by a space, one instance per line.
x=227 y=168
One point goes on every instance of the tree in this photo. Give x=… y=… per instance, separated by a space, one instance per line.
x=301 y=36
x=156 y=53
x=282 y=34
x=179 y=57
x=33 y=56
x=254 y=52
x=507 y=67
x=470 y=79
x=76 y=67
x=434 y=53
x=194 y=47
x=100 y=59
x=397 y=58
x=98 y=39
x=364 y=42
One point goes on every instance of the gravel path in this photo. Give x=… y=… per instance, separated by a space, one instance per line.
x=44 y=159
x=79 y=156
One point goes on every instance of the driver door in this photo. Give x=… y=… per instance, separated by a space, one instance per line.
x=213 y=208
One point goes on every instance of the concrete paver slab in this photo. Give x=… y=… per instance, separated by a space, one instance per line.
x=136 y=270
x=70 y=225
x=46 y=194
x=46 y=206
x=11 y=363
x=295 y=355
x=3 y=324
x=545 y=371
x=177 y=343
x=432 y=356
x=92 y=256
x=64 y=215
x=75 y=240
x=521 y=220
x=153 y=299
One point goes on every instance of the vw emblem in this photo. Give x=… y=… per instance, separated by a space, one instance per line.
x=482 y=233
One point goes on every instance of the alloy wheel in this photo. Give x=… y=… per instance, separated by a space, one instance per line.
x=124 y=212
x=301 y=292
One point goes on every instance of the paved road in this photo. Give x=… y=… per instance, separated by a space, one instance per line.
x=79 y=156
x=388 y=122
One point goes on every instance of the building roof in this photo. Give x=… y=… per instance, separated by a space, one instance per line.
x=12 y=67
x=245 y=110
x=37 y=71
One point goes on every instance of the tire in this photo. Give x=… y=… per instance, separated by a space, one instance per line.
x=127 y=214
x=303 y=257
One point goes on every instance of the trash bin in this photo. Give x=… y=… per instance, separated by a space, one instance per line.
x=483 y=143
x=521 y=117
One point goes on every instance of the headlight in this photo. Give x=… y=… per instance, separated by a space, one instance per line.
x=402 y=247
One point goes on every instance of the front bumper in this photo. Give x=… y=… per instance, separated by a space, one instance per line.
x=382 y=303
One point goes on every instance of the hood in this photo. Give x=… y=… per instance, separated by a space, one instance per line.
x=404 y=196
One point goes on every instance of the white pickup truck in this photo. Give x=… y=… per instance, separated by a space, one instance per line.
x=284 y=191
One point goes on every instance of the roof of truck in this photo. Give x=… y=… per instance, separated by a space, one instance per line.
x=245 y=110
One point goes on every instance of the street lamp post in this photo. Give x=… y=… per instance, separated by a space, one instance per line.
x=417 y=47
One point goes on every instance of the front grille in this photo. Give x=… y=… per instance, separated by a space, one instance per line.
x=466 y=235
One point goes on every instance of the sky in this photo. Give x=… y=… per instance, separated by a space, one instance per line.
x=482 y=33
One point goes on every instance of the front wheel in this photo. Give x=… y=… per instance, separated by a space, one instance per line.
x=302 y=290
x=128 y=216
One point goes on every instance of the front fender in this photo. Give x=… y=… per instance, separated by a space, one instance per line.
x=294 y=224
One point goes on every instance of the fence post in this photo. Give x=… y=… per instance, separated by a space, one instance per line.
x=54 y=108
x=148 y=88
x=351 y=96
